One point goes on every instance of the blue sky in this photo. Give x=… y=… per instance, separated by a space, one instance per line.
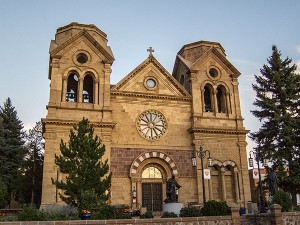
x=246 y=30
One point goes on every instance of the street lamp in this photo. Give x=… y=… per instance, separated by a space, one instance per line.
x=201 y=154
x=261 y=197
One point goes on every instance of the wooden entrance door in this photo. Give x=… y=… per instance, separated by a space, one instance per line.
x=152 y=196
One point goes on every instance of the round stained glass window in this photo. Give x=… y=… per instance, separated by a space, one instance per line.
x=151 y=125
x=82 y=58
x=213 y=72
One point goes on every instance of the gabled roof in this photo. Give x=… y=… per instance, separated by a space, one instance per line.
x=153 y=61
x=191 y=65
x=105 y=50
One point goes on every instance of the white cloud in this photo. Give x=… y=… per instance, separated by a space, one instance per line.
x=298 y=48
x=298 y=66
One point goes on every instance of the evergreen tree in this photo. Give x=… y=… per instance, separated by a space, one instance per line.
x=12 y=151
x=31 y=172
x=278 y=109
x=81 y=161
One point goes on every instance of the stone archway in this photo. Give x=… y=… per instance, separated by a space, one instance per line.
x=164 y=163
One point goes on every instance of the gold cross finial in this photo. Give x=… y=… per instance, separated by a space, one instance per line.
x=150 y=50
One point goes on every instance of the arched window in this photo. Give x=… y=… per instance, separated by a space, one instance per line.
x=151 y=172
x=72 y=88
x=208 y=106
x=88 y=89
x=221 y=99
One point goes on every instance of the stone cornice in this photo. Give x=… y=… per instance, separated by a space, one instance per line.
x=72 y=123
x=216 y=131
x=142 y=95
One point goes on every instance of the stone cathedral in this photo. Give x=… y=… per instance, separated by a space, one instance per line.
x=152 y=121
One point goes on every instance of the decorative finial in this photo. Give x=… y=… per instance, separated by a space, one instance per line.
x=150 y=50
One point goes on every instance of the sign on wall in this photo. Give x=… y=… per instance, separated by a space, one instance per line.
x=206 y=174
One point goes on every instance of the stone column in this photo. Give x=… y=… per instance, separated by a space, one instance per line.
x=215 y=101
x=80 y=91
x=64 y=90
x=210 y=188
x=237 y=106
x=223 y=184
x=236 y=185
x=96 y=91
x=228 y=108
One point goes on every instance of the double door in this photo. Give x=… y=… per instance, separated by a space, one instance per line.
x=152 y=196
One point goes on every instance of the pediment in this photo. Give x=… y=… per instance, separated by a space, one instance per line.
x=214 y=55
x=161 y=82
x=88 y=40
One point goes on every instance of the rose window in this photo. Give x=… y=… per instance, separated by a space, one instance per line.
x=151 y=125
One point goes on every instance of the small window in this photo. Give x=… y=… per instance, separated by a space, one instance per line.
x=213 y=72
x=82 y=58
x=151 y=83
x=151 y=172
x=72 y=88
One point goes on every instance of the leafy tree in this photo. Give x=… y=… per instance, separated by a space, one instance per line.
x=3 y=194
x=81 y=161
x=12 y=151
x=277 y=107
x=31 y=172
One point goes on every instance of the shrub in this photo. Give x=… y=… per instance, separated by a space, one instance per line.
x=89 y=200
x=282 y=198
x=61 y=212
x=104 y=212
x=190 y=212
x=31 y=213
x=215 y=208
x=169 y=215
x=123 y=216
x=147 y=215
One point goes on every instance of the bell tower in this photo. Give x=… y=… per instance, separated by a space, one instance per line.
x=79 y=74
x=217 y=125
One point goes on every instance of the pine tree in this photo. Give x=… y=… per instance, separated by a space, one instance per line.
x=31 y=171
x=81 y=161
x=12 y=151
x=278 y=109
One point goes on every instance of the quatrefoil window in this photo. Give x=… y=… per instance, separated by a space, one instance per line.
x=151 y=124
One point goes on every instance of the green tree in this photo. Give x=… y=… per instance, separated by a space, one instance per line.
x=31 y=171
x=81 y=161
x=12 y=150
x=3 y=194
x=277 y=107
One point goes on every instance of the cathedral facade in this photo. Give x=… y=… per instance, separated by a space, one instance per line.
x=151 y=122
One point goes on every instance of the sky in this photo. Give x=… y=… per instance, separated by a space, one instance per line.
x=246 y=30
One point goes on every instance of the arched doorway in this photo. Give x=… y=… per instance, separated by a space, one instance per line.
x=149 y=173
x=152 y=187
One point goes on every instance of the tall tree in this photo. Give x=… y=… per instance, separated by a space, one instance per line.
x=278 y=109
x=81 y=161
x=12 y=151
x=31 y=171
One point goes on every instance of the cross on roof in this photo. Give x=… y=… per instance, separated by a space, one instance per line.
x=150 y=50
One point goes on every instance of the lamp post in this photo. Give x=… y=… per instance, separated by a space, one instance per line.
x=201 y=154
x=261 y=197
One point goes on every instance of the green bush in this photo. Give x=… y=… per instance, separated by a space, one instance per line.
x=89 y=200
x=61 y=212
x=147 y=215
x=190 y=212
x=104 y=212
x=169 y=215
x=282 y=198
x=123 y=216
x=215 y=208
x=31 y=213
